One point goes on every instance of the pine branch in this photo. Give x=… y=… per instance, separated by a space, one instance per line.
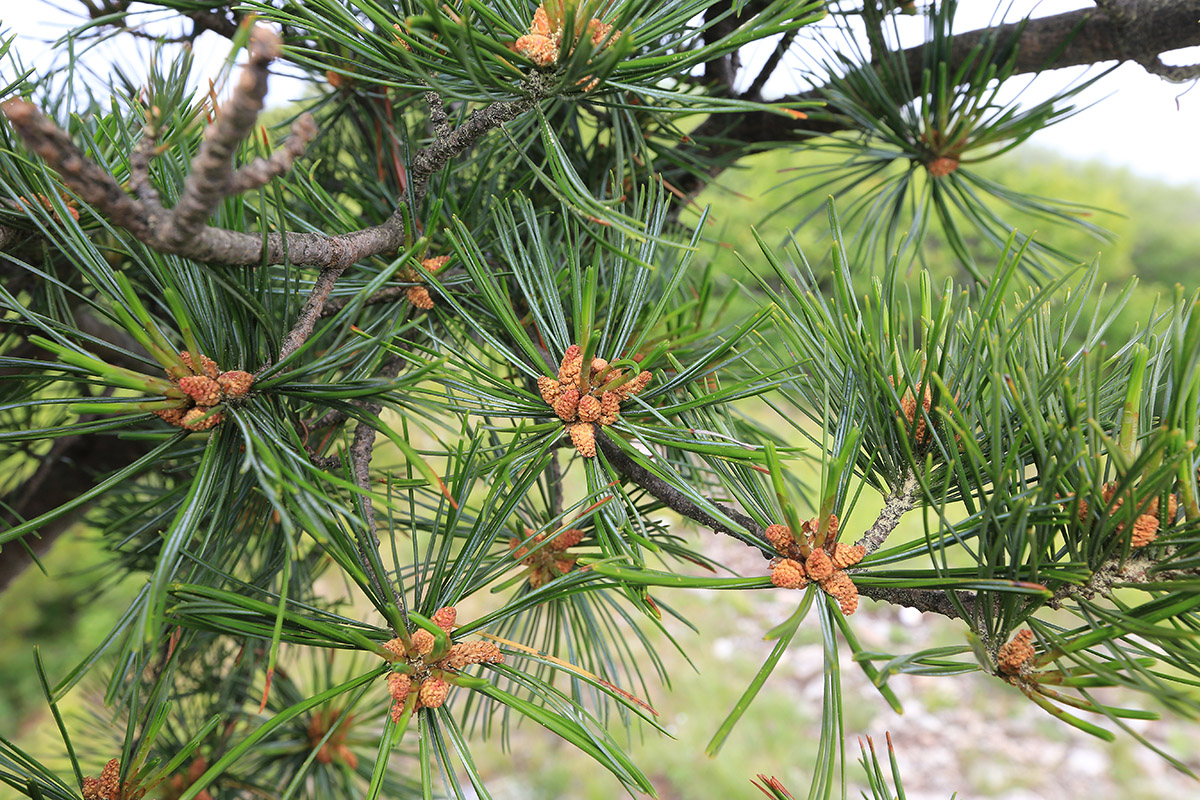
x=1116 y=573
x=935 y=601
x=361 y=450
x=311 y=312
x=181 y=230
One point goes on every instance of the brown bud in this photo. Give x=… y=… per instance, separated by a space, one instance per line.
x=204 y=390
x=538 y=577
x=583 y=436
x=849 y=603
x=839 y=586
x=465 y=654
x=780 y=537
x=635 y=386
x=598 y=366
x=174 y=416
x=208 y=367
x=1145 y=530
x=589 y=409
x=568 y=538
x=567 y=404
x=433 y=692
x=599 y=32
x=235 y=383
x=396 y=647
x=1013 y=655
x=419 y=296
x=541 y=23
x=435 y=263
x=550 y=389
x=195 y=419
x=399 y=685
x=818 y=565
x=519 y=552
x=610 y=408
x=400 y=40
x=444 y=618
x=908 y=404
x=845 y=555
x=423 y=641
x=789 y=574
x=942 y=166
x=110 y=780
x=832 y=528
x=572 y=364
x=539 y=49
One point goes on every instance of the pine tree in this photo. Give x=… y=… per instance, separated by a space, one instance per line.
x=411 y=410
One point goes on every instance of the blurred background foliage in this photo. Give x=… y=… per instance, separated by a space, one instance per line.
x=1151 y=222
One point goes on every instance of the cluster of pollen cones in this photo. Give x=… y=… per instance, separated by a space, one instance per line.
x=544 y=41
x=546 y=562
x=204 y=388
x=429 y=679
x=825 y=565
x=109 y=787
x=1145 y=527
x=585 y=397
x=419 y=295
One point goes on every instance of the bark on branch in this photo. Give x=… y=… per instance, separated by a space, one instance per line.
x=182 y=231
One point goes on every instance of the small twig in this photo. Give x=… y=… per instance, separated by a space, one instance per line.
x=895 y=506
x=139 y=164
x=94 y=185
x=261 y=171
x=1137 y=568
x=311 y=312
x=437 y=115
x=212 y=168
x=438 y=153
x=182 y=230
x=674 y=499
x=327 y=420
x=361 y=450
x=322 y=462
x=555 y=486
x=1178 y=73
x=385 y=295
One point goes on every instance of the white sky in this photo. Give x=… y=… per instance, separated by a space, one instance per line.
x=1138 y=120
